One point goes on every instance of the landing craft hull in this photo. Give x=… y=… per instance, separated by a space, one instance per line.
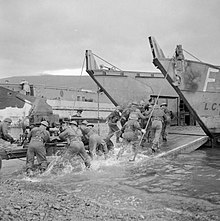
x=197 y=83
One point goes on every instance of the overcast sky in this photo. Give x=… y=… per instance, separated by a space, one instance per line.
x=39 y=36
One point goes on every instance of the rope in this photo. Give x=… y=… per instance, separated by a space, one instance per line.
x=192 y=55
x=79 y=81
x=107 y=62
x=133 y=78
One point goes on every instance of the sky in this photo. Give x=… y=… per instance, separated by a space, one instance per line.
x=51 y=36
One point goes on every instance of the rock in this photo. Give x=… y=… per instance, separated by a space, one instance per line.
x=56 y=206
x=141 y=217
x=17 y=207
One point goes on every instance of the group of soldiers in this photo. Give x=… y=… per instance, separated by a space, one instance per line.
x=140 y=123
x=82 y=140
x=134 y=124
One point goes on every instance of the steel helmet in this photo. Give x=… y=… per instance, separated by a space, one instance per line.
x=84 y=122
x=90 y=125
x=133 y=116
x=163 y=104
x=134 y=103
x=8 y=120
x=45 y=123
x=156 y=106
x=74 y=122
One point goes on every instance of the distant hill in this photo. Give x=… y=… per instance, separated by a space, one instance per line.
x=77 y=82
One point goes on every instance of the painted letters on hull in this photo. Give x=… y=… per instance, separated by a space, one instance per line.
x=196 y=82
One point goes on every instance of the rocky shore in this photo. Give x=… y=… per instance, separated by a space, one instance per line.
x=36 y=201
x=22 y=200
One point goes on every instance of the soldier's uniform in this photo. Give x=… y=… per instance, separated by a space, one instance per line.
x=112 y=121
x=38 y=136
x=94 y=140
x=125 y=115
x=166 y=121
x=75 y=145
x=136 y=110
x=158 y=117
x=4 y=128
x=131 y=134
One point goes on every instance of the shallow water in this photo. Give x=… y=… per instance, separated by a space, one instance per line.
x=187 y=183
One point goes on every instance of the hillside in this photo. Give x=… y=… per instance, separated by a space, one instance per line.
x=77 y=82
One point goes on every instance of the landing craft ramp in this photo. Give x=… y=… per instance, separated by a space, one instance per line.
x=182 y=139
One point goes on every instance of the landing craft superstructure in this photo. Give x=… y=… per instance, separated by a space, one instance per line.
x=197 y=83
x=123 y=87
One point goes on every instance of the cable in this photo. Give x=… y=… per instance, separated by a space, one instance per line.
x=192 y=55
x=106 y=62
x=79 y=81
x=133 y=78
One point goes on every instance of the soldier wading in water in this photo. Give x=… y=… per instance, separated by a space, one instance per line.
x=131 y=135
x=75 y=145
x=38 y=136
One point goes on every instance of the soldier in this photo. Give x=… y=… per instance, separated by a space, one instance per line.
x=4 y=128
x=25 y=87
x=37 y=137
x=94 y=139
x=158 y=117
x=85 y=138
x=166 y=122
x=77 y=115
x=75 y=145
x=125 y=115
x=131 y=134
x=112 y=121
x=135 y=109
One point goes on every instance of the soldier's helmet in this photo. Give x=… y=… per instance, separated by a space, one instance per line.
x=134 y=103
x=73 y=122
x=133 y=116
x=45 y=123
x=156 y=106
x=84 y=122
x=8 y=120
x=119 y=108
x=163 y=105
x=90 y=125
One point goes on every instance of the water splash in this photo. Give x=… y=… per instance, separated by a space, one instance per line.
x=61 y=166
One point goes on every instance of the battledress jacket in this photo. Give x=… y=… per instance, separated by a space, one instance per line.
x=71 y=135
x=39 y=134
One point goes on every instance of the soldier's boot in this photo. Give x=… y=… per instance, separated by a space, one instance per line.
x=121 y=151
x=165 y=139
x=117 y=140
x=154 y=148
x=87 y=164
x=134 y=157
x=30 y=172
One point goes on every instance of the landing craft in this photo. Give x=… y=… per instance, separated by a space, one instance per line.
x=197 y=84
x=123 y=87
